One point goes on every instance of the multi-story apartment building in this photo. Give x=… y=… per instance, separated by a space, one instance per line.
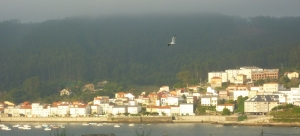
x=260 y=104
x=265 y=74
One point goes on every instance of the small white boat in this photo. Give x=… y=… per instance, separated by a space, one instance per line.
x=92 y=123
x=85 y=124
x=38 y=126
x=99 y=124
x=47 y=128
x=219 y=125
x=148 y=124
x=116 y=125
x=131 y=125
x=16 y=125
x=26 y=128
x=6 y=128
x=61 y=126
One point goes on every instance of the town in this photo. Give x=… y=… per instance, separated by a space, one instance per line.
x=260 y=99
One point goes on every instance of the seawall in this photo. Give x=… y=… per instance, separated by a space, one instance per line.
x=89 y=119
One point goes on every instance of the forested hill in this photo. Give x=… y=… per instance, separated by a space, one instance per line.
x=133 y=49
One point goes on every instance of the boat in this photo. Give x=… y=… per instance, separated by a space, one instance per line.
x=219 y=125
x=61 y=126
x=16 y=125
x=6 y=128
x=92 y=123
x=99 y=124
x=131 y=125
x=47 y=128
x=55 y=127
x=26 y=127
x=85 y=124
x=38 y=126
x=116 y=125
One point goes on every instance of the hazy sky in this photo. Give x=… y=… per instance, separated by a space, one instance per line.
x=41 y=10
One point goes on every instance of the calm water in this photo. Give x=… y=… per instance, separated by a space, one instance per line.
x=171 y=129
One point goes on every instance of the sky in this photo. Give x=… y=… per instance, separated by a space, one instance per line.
x=42 y=10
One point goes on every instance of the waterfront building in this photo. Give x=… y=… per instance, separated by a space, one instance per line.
x=80 y=110
x=186 y=109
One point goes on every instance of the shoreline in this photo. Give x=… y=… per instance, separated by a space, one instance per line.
x=141 y=120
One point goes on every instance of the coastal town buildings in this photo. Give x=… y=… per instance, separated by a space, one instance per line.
x=260 y=104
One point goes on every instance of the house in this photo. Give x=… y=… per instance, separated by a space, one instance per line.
x=270 y=88
x=295 y=93
x=222 y=75
x=96 y=109
x=80 y=110
x=292 y=75
x=216 y=82
x=186 y=109
x=237 y=93
x=124 y=95
x=37 y=109
x=175 y=110
x=209 y=100
x=135 y=109
x=65 y=92
x=172 y=100
x=164 y=110
x=260 y=104
x=194 y=88
x=63 y=109
x=240 y=79
x=164 y=88
x=220 y=107
x=191 y=99
x=119 y=109
x=100 y=99
x=223 y=94
x=89 y=87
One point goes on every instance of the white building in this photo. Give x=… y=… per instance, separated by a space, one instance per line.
x=220 y=107
x=186 y=109
x=237 y=93
x=134 y=109
x=37 y=109
x=270 y=87
x=221 y=74
x=172 y=100
x=164 y=110
x=80 y=110
x=296 y=95
x=164 y=88
x=119 y=109
x=233 y=73
x=209 y=100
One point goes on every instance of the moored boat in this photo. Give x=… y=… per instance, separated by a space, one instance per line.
x=116 y=125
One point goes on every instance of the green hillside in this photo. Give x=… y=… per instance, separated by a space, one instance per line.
x=38 y=59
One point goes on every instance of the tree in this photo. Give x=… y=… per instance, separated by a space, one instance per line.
x=226 y=111
x=184 y=76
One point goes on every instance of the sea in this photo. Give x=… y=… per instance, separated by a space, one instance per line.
x=155 y=129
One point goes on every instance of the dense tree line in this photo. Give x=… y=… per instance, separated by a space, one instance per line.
x=37 y=59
